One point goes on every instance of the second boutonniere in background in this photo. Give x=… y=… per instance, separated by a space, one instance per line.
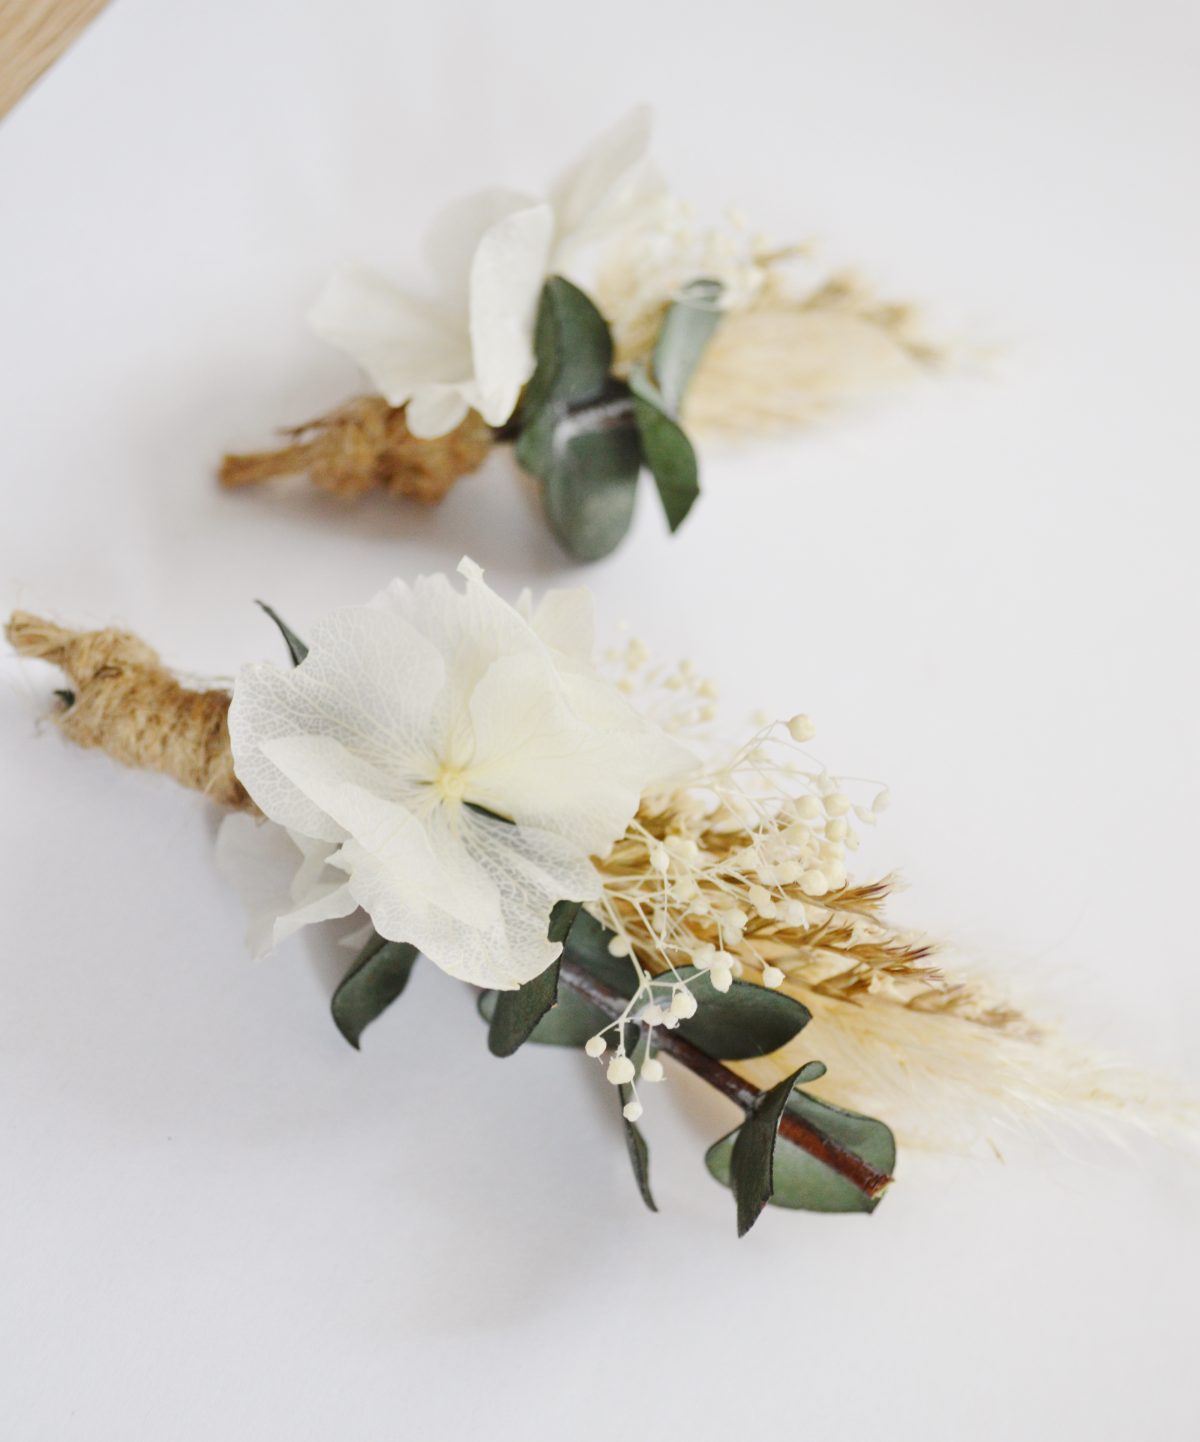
x=596 y=329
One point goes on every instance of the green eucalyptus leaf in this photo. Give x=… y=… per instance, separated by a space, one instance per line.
x=562 y=919
x=569 y=1022
x=745 y=1021
x=635 y=1142
x=589 y=485
x=639 y=1158
x=573 y=348
x=751 y=1162
x=798 y=1179
x=516 y=1014
x=297 y=649
x=667 y=450
x=379 y=974
x=686 y=330
x=587 y=945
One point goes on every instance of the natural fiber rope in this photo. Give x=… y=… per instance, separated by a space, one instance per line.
x=126 y=703
x=364 y=444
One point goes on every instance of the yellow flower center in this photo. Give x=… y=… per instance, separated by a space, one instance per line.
x=450 y=783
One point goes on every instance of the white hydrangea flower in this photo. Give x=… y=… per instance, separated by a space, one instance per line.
x=460 y=762
x=470 y=345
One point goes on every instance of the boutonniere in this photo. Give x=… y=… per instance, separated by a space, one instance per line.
x=571 y=841
x=595 y=329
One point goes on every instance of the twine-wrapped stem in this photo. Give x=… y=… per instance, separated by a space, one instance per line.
x=126 y=703
x=367 y=444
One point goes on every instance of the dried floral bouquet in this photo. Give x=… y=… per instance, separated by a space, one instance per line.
x=587 y=328
x=608 y=876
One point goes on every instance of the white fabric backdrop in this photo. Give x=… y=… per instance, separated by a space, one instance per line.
x=216 y=1221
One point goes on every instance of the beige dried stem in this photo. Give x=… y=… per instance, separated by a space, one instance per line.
x=363 y=445
x=126 y=703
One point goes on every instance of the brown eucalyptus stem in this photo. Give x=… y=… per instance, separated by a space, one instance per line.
x=795 y=1129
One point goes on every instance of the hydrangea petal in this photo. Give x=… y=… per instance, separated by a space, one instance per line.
x=507 y=274
x=402 y=343
x=284 y=881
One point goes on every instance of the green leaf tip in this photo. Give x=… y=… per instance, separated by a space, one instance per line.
x=297 y=649
x=379 y=974
x=516 y=1014
x=762 y=1166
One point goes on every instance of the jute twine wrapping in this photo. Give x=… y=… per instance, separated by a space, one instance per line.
x=364 y=444
x=128 y=704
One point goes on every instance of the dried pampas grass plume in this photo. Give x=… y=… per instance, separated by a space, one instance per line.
x=793 y=343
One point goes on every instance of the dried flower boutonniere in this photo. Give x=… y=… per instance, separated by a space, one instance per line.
x=594 y=329
x=575 y=846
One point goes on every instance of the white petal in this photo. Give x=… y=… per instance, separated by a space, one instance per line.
x=453 y=238
x=284 y=881
x=507 y=275
x=401 y=342
x=436 y=410
x=517 y=874
x=542 y=764
x=608 y=187
x=566 y=621
x=370 y=682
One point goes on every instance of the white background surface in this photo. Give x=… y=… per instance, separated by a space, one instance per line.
x=216 y=1221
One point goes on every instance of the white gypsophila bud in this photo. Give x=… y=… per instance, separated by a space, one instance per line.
x=660 y=859
x=632 y=1110
x=801 y=728
x=595 y=1046
x=807 y=808
x=794 y=912
x=683 y=1004
x=704 y=955
x=882 y=801
x=813 y=881
x=620 y=1070
x=619 y=946
x=721 y=977
x=653 y=1015
x=837 y=829
x=837 y=803
x=772 y=977
x=835 y=874
x=787 y=872
x=652 y=1069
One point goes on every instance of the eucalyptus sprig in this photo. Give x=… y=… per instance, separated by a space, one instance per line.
x=587 y=433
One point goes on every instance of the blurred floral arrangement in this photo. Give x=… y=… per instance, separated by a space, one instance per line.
x=573 y=841
x=595 y=330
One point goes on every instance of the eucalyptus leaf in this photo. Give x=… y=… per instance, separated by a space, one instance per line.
x=297 y=649
x=667 y=450
x=686 y=330
x=798 y=1179
x=562 y=919
x=573 y=349
x=751 y=1162
x=745 y=1021
x=587 y=945
x=589 y=484
x=639 y=1157
x=379 y=974
x=569 y=1022
x=516 y=1014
